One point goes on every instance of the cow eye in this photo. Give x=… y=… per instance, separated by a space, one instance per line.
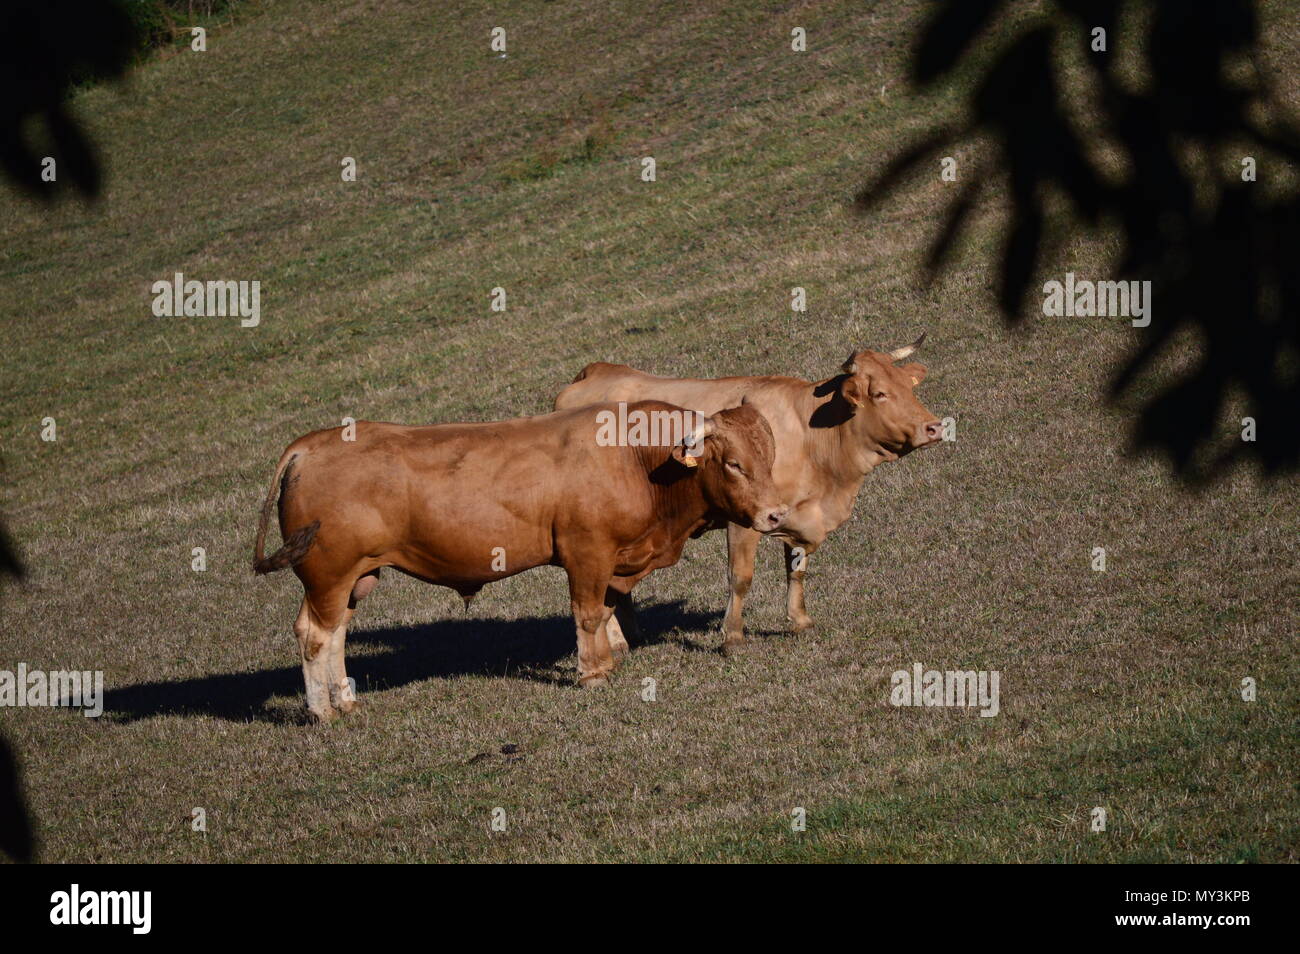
x=878 y=395
x=735 y=465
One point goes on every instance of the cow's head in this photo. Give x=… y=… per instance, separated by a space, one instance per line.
x=885 y=411
x=732 y=454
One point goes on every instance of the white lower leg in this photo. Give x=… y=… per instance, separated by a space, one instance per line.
x=315 y=673
x=617 y=641
x=342 y=692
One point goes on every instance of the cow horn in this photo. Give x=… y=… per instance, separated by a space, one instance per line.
x=703 y=428
x=898 y=354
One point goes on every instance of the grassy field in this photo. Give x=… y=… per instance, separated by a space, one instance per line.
x=1120 y=689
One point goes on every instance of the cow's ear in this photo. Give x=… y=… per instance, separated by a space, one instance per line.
x=850 y=364
x=915 y=372
x=682 y=454
x=853 y=391
x=689 y=451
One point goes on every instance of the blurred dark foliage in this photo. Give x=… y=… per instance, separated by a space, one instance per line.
x=16 y=839
x=10 y=565
x=1220 y=252
x=48 y=47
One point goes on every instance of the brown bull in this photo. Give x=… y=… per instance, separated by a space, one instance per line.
x=461 y=505
x=829 y=435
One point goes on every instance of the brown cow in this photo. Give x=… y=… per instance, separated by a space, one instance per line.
x=829 y=435
x=462 y=505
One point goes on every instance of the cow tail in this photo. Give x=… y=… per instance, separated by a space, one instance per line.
x=297 y=544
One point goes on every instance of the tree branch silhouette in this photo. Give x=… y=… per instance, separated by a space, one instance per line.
x=1219 y=250
x=47 y=48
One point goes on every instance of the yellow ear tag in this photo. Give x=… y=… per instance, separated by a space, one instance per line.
x=689 y=461
x=915 y=381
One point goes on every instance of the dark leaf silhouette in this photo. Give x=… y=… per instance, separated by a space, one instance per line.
x=898 y=168
x=1217 y=244
x=953 y=29
x=46 y=48
x=952 y=226
x=16 y=837
x=1021 y=256
x=9 y=562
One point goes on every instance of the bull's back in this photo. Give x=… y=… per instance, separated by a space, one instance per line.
x=601 y=382
x=434 y=501
x=454 y=503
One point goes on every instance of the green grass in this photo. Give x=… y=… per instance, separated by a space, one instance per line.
x=1118 y=688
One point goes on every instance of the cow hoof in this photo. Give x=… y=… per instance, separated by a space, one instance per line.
x=344 y=698
x=799 y=623
x=594 y=681
x=734 y=647
x=321 y=716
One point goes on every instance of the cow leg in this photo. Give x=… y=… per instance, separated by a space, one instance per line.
x=315 y=646
x=796 y=565
x=742 y=546
x=616 y=631
x=595 y=661
x=342 y=694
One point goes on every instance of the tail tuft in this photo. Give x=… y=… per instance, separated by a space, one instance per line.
x=291 y=552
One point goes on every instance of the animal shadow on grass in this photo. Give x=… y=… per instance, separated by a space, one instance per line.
x=464 y=646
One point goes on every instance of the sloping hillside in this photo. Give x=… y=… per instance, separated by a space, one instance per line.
x=523 y=171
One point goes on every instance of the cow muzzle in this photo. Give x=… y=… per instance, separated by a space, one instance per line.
x=927 y=434
x=771 y=518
